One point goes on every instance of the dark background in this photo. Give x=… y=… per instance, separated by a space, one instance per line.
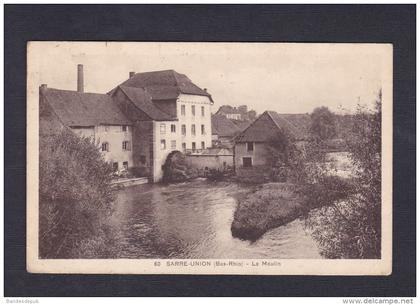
x=394 y=24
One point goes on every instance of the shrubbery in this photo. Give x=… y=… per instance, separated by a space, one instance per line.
x=75 y=198
x=350 y=226
x=176 y=168
x=343 y=214
x=275 y=204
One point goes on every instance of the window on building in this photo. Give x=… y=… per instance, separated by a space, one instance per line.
x=173 y=144
x=126 y=145
x=203 y=145
x=193 y=129
x=162 y=128
x=143 y=159
x=125 y=165
x=247 y=162
x=202 y=110
x=184 y=146
x=183 y=130
x=250 y=146
x=124 y=128
x=162 y=144
x=115 y=166
x=173 y=128
x=203 y=131
x=193 y=146
x=182 y=109
x=105 y=146
x=193 y=110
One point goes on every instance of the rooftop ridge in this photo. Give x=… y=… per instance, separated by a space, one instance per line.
x=75 y=91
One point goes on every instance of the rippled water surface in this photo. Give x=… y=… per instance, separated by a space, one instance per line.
x=192 y=220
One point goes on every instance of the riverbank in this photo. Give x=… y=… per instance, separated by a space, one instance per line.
x=274 y=205
x=192 y=220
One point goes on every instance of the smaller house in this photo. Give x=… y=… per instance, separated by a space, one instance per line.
x=223 y=131
x=88 y=115
x=251 y=151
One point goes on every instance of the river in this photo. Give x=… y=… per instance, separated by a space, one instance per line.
x=192 y=220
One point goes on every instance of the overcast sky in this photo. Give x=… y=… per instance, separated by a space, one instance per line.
x=288 y=78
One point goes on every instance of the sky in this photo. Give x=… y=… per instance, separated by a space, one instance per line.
x=284 y=77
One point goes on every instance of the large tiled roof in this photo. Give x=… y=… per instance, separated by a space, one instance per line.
x=142 y=99
x=84 y=109
x=222 y=126
x=270 y=122
x=242 y=125
x=296 y=124
x=167 y=84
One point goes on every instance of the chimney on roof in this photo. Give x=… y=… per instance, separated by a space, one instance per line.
x=42 y=89
x=205 y=89
x=132 y=74
x=80 y=85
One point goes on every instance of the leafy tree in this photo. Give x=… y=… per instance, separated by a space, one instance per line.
x=323 y=126
x=252 y=114
x=75 y=196
x=285 y=158
x=350 y=225
x=176 y=168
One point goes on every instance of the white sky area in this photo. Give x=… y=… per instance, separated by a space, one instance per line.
x=287 y=78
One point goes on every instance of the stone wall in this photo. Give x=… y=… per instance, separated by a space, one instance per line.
x=201 y=162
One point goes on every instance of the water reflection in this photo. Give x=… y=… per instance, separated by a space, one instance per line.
x=192 y=220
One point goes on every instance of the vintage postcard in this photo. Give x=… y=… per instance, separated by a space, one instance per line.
x=209 y=158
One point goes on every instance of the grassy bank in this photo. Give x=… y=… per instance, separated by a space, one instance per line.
x=273 y=205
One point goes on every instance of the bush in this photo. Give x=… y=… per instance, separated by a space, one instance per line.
x=215 y=174
x=350 y=226
x=323 y=124
x=75 y=195
x=275 y=204
x=176 y=168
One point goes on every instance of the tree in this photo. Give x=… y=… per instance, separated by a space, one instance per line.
x=323 y=126
x=176 y=168
x=350 y=226
x=75 y=196
x=252 y=114
x=285 y=158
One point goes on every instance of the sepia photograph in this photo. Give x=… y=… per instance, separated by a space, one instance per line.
x=209 y=158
